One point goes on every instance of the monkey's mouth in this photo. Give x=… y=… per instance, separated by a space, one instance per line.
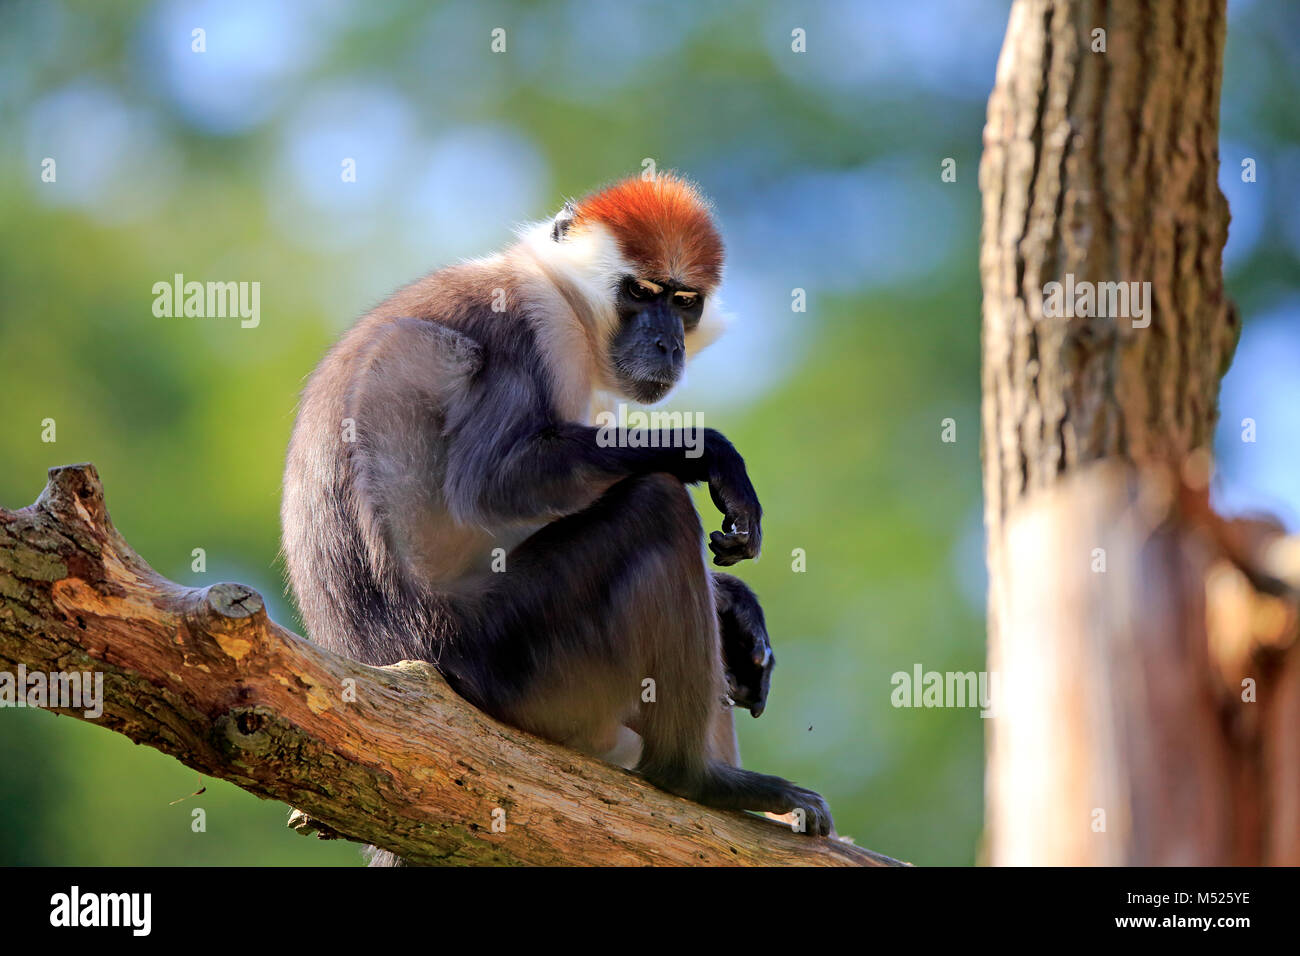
x=645 y=382
x=647 y=391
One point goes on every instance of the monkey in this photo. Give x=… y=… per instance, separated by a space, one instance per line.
x=451 y=427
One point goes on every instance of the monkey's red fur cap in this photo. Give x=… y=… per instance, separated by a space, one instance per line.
x=664 y=225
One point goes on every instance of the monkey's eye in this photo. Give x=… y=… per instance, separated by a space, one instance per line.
x=641 y=290
x=686 y=300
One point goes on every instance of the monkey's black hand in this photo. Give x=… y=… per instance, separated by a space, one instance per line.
x=746 y=652
x=732 y=492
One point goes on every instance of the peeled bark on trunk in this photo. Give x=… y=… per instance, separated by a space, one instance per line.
x=1123 y=614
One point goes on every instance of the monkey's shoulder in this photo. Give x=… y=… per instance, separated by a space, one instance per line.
x=428 y=345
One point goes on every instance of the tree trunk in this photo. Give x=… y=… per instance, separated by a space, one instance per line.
x=1145 y=650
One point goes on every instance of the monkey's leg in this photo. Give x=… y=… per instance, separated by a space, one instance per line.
x=607 y=617
x=722 y=738
x=723 y=745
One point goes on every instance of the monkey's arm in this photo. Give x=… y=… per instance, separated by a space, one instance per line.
x=509 y=460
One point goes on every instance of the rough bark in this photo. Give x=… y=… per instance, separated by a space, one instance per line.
x=383 y=755
x=1103 y=166
x=1122 y=688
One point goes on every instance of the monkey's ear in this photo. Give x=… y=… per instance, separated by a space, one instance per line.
x=563 y=220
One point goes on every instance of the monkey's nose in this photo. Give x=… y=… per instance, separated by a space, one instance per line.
x=663 y=347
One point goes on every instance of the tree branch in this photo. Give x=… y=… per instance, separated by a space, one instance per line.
x=383 y=755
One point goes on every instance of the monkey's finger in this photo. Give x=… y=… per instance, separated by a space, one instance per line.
x=730 y=540
x=747 y=697
x=744 y=521
x=728 y=549
x=818 y=820
x=764 y=683
x=721 y=541
x=727 y=559
x=731 y=547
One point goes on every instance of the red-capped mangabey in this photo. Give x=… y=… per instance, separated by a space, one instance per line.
x=453 y=420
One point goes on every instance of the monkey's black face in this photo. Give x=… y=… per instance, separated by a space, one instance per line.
x=649 y=350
